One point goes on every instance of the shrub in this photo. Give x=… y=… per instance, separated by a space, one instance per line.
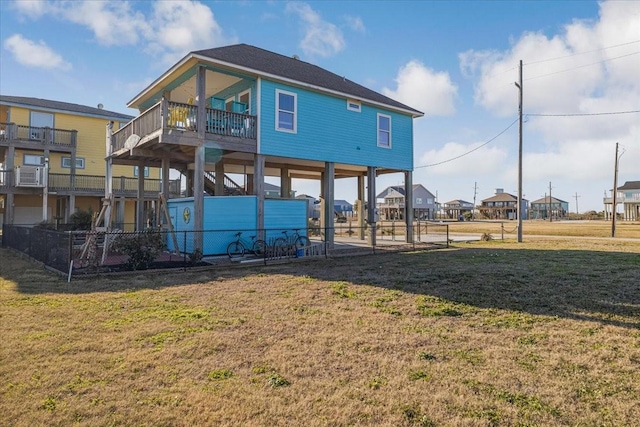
x=486 y=237
x=195 y=256
x=142 y=248
x=81 y=220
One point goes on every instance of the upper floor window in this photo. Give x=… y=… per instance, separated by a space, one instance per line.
x=66 y=162
x=384 y=131
x=418 y=200
x=33 y=160
x=286 y=110
x=146 y=171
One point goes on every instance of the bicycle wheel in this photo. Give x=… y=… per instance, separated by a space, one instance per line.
x=280 y=246
x=301 y=242
x=235 y=249
x=259 y=248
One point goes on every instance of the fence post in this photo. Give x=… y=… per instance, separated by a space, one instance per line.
x=447 y=235
x=184 y=253
x=502 y=229
x=393 y=231
x=70 y=254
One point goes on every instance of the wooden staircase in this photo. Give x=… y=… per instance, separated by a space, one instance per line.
x=231 y=188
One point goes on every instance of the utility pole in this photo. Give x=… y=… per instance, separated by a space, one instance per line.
x=475 y=192
x=615 y=194
x=520 y=87
x=576 y=197
x=550 y=205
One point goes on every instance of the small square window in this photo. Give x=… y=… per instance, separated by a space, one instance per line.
x=353 y=105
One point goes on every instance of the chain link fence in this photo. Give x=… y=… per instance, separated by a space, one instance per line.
x=99 y=251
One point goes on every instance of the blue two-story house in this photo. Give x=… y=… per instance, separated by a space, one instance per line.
x=244 y=110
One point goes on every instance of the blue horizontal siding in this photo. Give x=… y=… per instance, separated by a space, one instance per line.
x=327 y=131
x=225 y=216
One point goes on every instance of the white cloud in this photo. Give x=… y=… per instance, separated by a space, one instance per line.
x=484 y=160
x=184 y=26
x=170 y=30
x=591 y=66
x=31 y=8
x=425 y=89
x=321 y=38
x=35 y=54
x=355 y=23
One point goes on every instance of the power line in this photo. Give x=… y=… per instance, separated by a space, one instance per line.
x=470 y=151
x=583 y=114
x=581 y=53
x=582 y=66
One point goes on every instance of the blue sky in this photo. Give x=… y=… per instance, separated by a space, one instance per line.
x=456 y=61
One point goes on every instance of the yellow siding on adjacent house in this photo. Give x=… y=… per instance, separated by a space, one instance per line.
x=91 y=141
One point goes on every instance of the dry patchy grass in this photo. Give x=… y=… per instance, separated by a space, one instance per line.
x=481 y=334
x=555 y=228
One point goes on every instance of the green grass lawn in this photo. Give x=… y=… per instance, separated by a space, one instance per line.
x=495 y=333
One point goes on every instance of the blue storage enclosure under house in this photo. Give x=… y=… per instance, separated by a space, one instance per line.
x=224 y=216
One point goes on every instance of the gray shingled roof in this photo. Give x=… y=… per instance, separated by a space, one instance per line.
x=545 y=200
x=63 y=106
x=501 y=197
x=630 y=185
x=268 y=62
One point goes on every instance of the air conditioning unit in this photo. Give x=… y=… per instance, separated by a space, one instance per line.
x=30 y=176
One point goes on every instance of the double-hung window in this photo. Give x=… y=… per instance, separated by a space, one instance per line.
x=384 y=131
x=286 y=111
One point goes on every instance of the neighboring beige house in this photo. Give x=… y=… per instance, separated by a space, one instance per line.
x=52 y=162
x=456 y=208
x=502 y=206
x=629 y=197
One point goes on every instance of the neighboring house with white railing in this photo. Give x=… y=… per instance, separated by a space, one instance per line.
x=52 y=162
x=628 y=196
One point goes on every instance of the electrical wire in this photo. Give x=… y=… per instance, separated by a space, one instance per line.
x=470 y=151
x=580 y=53
x=583 y=114
x=582 y=66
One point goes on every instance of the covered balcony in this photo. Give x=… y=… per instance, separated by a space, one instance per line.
x=30 y=137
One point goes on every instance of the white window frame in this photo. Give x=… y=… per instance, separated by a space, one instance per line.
x=295 y=111
x=380 y=115
x=353 y=105
x=32 y=163
x=66 y=162
x=418 y=200
x=146 y=171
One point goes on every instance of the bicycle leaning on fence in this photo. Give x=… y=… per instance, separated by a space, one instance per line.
x=239 y=247
x=290 y=243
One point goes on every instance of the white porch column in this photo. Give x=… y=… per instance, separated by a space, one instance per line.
x=140 y=199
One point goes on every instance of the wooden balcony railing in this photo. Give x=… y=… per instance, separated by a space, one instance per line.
x=121 y=185
x=168 y=115
x=38 y=135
